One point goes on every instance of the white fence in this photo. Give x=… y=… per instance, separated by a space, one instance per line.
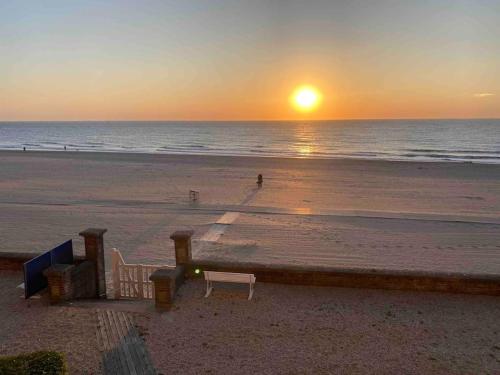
x=132 y=280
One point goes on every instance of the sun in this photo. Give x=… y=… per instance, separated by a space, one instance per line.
x=306 y=98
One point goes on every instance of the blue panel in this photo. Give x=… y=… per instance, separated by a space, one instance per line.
x=34 y=280
x=62 y=254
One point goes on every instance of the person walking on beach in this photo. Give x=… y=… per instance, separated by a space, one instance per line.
x=260 y=180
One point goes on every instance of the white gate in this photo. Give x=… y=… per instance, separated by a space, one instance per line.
x=132 y=280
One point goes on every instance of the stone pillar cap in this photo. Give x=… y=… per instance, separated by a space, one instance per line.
x=93 y=232
x=182 y=234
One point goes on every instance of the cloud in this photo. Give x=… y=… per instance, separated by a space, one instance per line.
x=483 y=95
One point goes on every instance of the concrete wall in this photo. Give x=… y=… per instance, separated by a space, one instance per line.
x=358 y=278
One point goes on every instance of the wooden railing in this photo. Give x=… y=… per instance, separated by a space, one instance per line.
x=132 y=280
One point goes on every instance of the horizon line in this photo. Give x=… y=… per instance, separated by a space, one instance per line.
x=277 y=120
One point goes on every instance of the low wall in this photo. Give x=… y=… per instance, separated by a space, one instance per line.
x=13 y=261
x=83 y=280
x=358 y=278
x=68 y=281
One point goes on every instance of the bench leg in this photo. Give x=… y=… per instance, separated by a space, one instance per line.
x=251 y=292
x=209 y=289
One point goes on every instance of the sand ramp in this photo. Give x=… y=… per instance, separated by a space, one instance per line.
x=228 y=218
x=124 y=352
x=217 y=230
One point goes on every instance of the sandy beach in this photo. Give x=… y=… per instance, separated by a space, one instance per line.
x=343 y=213
x=349 y=213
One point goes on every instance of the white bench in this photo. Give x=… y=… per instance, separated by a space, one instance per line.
x=229 y=277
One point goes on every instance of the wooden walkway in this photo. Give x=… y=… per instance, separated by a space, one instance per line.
x=124 y=352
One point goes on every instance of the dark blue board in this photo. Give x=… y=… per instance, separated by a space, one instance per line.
x=34 y=280
x=62 y=254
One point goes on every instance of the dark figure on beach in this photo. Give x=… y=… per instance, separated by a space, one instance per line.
x=24 y=148
x=259 y=180
x=64 y=148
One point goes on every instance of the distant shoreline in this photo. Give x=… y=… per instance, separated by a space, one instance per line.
x=213 y=155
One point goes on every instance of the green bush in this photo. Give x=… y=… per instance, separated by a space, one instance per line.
x=37 y=363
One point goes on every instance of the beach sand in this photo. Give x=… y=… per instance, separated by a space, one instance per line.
x=346 y=213
x=355 y=213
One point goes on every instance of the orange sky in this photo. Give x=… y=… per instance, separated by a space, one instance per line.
x=171 y=61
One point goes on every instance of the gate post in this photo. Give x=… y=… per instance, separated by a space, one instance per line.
x=59 y=279
x=166 y=283
x=182 y=242
x=94 y=252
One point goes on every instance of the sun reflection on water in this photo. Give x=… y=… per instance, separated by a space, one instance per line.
x=305 y=140
x=305 y=150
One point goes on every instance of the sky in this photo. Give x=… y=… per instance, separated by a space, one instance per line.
x=241 y=60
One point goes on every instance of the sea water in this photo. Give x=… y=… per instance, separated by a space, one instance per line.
x=423 y=140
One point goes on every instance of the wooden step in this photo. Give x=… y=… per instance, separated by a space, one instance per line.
x=123 y=350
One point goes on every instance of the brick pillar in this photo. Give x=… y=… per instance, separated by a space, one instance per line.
x=182 y=241
x=94 y=252
x=166 y=282
x=59 y=280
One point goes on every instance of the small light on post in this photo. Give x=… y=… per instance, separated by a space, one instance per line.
x=197 y=271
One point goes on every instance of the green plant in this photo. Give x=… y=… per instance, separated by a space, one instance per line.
x=37 y=363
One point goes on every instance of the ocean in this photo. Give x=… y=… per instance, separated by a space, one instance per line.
x=475 y=141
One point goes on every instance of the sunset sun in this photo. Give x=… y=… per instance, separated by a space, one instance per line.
x=306 y=98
